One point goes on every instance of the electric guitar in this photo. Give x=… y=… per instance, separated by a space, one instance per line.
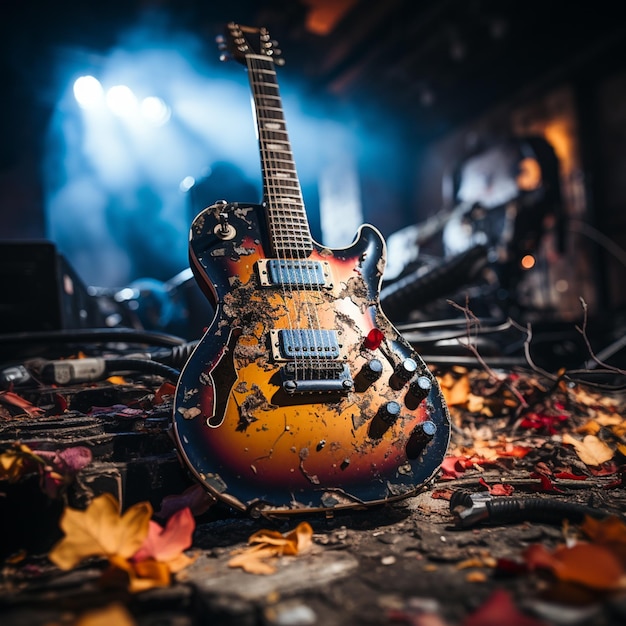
x=301 y=396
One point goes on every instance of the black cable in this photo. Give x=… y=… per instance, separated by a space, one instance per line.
x=128 y=335
x=140 y=365
x=471 y=508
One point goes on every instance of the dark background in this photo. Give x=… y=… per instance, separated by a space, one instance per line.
x=436 y=80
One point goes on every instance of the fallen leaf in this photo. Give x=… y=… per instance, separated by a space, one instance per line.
x=542 y=421
x=545 y=483
x=267 y=545
x=99 y=530
x=591 y=450
x=12 y=399
x=441 y=494
x=256 y=560
x=455 y=390
x=114 y=613
x=168 y=544
x=609 y=532
x=164 y=392
x=497 y=489
x=586 y=564
x=570 y=476
x=497 y=610
x=136 y=576
x=196 y=498
x=477 y=561
x=18 y=461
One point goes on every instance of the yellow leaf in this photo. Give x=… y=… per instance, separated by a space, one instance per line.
x=591 y=450
x=455 y=391
x=476 y=577
x=266 y=545
x=256 y=560
x=101 y=531
x=591 y=427
x=17 y=461
x=115 y=613
x=608 y=419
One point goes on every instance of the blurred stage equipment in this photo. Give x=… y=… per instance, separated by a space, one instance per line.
x=41 y=291
x=506 y=195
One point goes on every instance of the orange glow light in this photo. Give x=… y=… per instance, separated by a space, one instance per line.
x=527 y=261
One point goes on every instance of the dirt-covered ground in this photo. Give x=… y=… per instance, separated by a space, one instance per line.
x=535 y=535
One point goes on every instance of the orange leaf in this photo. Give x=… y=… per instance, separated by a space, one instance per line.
x=11 y=398
x=101 y=531
x=138 y=576
x=268 y=544
x=585 y=564
x=256 y=560
x=455 y=391
x=114 y=613
x=609 y=532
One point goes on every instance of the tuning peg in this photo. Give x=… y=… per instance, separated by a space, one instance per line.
x=225 y=57
x=220 y=39
x=279 y=61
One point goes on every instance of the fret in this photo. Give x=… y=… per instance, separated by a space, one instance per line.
x=274 y=137
x=276 y=158
x=289 y=182
x=288 y=225
x=268 y=96
x=275 y=109
x=273 y=126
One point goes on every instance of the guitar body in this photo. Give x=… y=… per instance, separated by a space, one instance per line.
x=254 y=444
x=301 y=396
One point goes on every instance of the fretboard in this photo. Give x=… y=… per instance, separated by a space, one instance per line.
x=288 y=225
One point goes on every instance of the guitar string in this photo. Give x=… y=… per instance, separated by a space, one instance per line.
x=255 y=79
x=262 y=114
x=300 y=243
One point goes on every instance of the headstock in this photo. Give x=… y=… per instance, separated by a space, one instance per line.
x=239 y=42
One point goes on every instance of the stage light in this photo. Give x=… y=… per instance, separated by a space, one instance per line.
x=187 y=183
x=121 y=100
x=528 y=261
x=88 y=91
x=155 y=110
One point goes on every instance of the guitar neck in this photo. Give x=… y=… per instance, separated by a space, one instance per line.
x=290 y=235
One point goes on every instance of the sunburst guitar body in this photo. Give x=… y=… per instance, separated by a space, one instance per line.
x=301 y=396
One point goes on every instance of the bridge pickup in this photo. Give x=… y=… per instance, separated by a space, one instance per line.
x=307 y=344
x=294 y=273
x=327 y=378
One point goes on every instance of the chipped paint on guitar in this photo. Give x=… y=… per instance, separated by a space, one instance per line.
x=301 y=396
